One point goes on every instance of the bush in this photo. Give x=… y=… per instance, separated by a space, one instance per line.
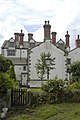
x=75 y=85
x=36 y=98
x=67 y=96
x=55 y=85
x=6 y=82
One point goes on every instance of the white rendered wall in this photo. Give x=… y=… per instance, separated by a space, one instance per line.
x=24 y=79
x=19 y=53
x=74 y=55
x=19 y=70
x=56 y=53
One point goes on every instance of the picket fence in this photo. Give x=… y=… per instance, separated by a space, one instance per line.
x=19 y=97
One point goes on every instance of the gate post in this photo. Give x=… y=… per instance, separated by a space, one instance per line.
x=9 y=98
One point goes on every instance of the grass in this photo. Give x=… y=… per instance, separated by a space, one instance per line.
x=35 y=89
x=32 y=89
x=64 y=111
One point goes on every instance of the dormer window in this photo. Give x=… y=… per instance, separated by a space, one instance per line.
x=32 y=43
x=11 y=44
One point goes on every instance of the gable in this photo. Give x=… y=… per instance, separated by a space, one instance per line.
x=74 y=54
x=11 y=40
x=61 y=44
x=46 y=47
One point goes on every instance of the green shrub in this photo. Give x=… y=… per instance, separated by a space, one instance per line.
x=36 y=98
x=76 y=93
x=75 y=85
x=54 y=89
x=54 y=85
x=67 y=96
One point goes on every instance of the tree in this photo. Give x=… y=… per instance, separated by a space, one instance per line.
x=42 y=67
x=75 y=71
x=6 y=82
x=5 y=63
x=7 y=74
x=11 y=72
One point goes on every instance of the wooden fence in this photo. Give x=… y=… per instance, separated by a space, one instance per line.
x=18 y=97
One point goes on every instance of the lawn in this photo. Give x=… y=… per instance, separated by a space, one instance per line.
x=64 y=111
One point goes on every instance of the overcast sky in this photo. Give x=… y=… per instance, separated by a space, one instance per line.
x=29 y=15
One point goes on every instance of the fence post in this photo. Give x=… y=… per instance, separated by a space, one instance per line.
x=9 y=98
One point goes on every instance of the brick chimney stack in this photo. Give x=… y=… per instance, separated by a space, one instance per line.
x=47 y=30
x=67 y=36
x=30 y=36
x=16 y=36
x=78 y=42
x=21 y=37
x=54 y=37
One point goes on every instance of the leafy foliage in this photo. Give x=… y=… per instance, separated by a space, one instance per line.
x=54 y=85
x=75 y=70
x=6 y=82
x=75 y=85
x=7 y=74
x=41 y=66
x=5 y=64
x=11 y=72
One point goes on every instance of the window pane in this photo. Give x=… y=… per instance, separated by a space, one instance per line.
x=24 y=67
x=11 y=44
x=11 y=52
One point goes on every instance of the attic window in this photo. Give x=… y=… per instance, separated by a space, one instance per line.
x=32 y=44
x=11 y=44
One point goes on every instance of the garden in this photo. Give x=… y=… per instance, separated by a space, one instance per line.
x=57 y=99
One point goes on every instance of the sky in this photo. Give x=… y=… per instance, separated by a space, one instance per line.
x=30 y=16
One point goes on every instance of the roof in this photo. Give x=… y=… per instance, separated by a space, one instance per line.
x=19 y=61
x=25 y=44
x=4 y=44
x=73 y=49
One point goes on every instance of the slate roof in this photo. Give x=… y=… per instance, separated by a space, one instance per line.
x=18 y=61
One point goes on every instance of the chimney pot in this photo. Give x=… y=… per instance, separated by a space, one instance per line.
x=45 y=22
x=78 y=36
x=48 y=22
x=21 y=31
x=67 y=32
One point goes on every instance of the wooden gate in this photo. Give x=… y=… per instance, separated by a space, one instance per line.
x=18 y=97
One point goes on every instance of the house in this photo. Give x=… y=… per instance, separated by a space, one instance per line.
x=16 y=49
x=74 y=54
x=48 y=46
x=25 y=54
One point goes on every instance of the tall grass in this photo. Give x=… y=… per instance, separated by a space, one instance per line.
x=64 y=111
